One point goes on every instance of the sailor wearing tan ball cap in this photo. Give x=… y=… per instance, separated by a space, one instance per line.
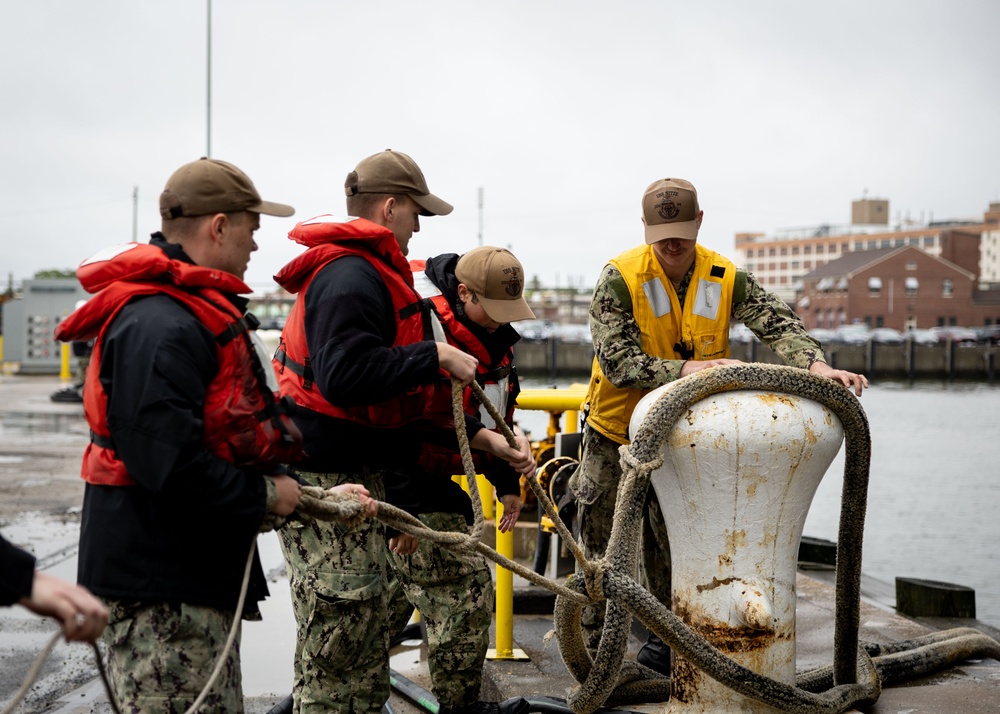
x=492 y=280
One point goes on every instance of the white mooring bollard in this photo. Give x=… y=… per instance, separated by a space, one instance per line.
x=739 y=472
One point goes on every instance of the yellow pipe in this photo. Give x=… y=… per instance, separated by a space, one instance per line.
x=65 y=374
x=505 y=593
x=553 y=400
x=486 y=495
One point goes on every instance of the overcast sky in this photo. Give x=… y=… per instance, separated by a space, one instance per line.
x=780 y=113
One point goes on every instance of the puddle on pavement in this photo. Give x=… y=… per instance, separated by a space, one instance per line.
x=23 y=423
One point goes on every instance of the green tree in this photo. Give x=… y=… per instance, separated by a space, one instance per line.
x=55 y=273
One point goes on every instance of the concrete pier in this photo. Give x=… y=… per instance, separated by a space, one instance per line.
x=40 y=494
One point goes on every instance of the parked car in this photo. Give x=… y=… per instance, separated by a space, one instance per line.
x=534 y=330
x=855 y=334
x=887 y=336
x=740 y=333
x=953 y=333
x=988 y=334
x=576 y=334
x=824 y=335
x=922 y=336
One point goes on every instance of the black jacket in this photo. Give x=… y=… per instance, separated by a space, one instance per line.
x=17 y=572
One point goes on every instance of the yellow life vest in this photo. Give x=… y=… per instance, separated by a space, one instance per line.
x=699 y=330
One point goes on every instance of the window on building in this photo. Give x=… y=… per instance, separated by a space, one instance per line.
x=911 y=265
x=795 y=250
x=808 y=264
x=750 y=267
x=783 y=265
x=874 y=287
x=879 y=321
x=795 y=265
x=784 y=251
x=845 y=247
x=929 y=242
x=885 y=243
x=947 y=288
x=749 y=254
x=771 y=252
x=911 y=286
x=760 y=253
x=807 y=250
x=819 y=249
x=783 y=280
x=915 y=241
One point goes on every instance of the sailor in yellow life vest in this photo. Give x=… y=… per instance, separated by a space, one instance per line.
x=662 y=311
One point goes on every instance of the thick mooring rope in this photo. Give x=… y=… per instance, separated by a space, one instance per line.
x=835 y=689
x=607 y=678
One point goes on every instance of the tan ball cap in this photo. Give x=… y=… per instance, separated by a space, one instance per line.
x=394 y=172
x=670 y=210
x=497 y=278
x=209 y=186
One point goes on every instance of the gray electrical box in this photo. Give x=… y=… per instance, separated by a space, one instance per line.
x=30 y=321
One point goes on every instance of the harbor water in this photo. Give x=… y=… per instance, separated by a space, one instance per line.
x=934 y=488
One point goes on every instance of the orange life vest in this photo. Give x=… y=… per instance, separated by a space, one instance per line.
x=328 y=239
x=244 y=421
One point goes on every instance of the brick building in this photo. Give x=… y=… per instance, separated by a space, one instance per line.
x=900 y=287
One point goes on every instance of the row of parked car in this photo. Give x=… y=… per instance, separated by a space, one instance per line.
x=544 y=330
x=862 y=334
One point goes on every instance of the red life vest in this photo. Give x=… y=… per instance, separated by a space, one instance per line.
x=328 y=239
x=244 y=423
x=495 y=380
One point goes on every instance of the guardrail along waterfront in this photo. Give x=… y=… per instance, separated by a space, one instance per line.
x=907 y=360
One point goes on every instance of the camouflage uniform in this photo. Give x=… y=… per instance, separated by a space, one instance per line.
x=160 y=656
x=338 y=581
x=453 y=591
x=618 y=346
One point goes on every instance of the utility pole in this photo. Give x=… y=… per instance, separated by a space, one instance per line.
x=480 y=215
x=135 y=214
x=208 y=97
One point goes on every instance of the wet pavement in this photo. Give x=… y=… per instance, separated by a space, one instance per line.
x=40 y=494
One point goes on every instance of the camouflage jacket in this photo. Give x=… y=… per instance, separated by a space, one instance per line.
x=618 y=343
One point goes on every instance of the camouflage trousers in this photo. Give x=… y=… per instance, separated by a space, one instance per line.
x=595 y=484
x=338 y=582
x=161 y=655
x=453 y=591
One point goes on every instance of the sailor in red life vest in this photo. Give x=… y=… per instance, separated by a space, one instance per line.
x=474 y=298
x=187 y=441
x=357 y=357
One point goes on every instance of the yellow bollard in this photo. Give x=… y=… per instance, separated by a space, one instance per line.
x=505 y=600
x=65 y=373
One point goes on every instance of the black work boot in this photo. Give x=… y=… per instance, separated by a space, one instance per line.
x=655 y=655
x=514 y=705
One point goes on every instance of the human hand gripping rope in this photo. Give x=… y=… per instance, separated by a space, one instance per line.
x=607 y=678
